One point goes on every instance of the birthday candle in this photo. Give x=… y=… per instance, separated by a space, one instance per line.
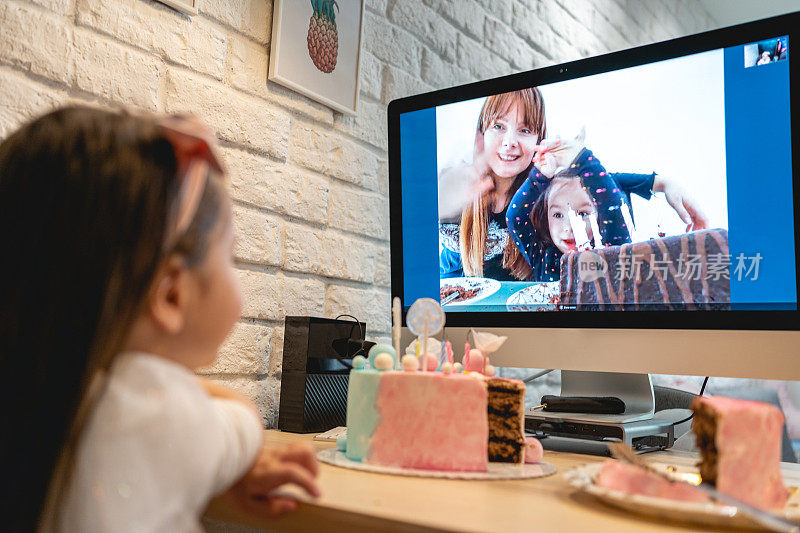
x=449 y=352
x=443 y=355
x=396 y=325
x=578 y=230
x=425 y=346
x=466 y=355
x=598 y=239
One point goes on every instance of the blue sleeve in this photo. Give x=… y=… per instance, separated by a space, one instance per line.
x=450 y=265
x=518 y=218
x=638 y=184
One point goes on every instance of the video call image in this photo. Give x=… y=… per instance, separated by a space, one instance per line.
x=604 y=192
x=765 y=52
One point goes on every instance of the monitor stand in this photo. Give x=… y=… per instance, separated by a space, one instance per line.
x=636 y=426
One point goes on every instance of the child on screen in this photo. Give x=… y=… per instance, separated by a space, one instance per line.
x=118 y=282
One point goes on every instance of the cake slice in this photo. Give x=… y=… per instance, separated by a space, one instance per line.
x=633 y=479
x=506 y=406
x=740 y=449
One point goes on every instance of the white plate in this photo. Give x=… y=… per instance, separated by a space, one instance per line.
x=705 y=513
x=542 y=296
x=334 y=457
x=486 y=287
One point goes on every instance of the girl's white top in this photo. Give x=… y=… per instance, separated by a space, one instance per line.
x=155 y=450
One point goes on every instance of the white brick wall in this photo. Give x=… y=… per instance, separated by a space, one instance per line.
x=310 y=186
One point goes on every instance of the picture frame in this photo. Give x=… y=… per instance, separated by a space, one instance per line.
x=316 y=50
x=185 y=6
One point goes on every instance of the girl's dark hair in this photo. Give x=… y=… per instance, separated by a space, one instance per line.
x=541 y=224
x=85 y=196
x=539 y=218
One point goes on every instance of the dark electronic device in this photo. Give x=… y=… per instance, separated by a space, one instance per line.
x=316 y=370
x=583 y=404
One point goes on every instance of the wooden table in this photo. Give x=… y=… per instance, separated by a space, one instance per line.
x=363 y=501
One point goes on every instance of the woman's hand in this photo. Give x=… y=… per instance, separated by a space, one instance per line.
x=681 y=202
x=461 y=185
x=295 y=463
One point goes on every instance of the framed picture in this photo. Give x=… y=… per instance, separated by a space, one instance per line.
x=186 y=6
x=316 y=50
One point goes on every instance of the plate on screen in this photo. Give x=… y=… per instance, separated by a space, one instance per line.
x=332 y=456
x=701 y=513
x=542 y=296
x=459 y=291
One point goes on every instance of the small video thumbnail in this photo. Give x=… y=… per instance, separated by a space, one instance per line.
x=767 y=51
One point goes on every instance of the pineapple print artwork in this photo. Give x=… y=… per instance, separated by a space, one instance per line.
x=323 y=38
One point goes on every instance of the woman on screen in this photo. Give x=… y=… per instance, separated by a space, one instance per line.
x=474 y=199
x=475 y=242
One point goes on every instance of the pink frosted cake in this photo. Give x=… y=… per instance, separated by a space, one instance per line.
x=632 y=479
x=426 y=420
x=740 y=449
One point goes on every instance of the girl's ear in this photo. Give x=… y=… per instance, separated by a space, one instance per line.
x=168 y=297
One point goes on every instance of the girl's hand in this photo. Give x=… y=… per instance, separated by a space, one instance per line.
x=274 y=467
x=545 y=157
x=555 y=154
x=682 y=203
x=461 y=185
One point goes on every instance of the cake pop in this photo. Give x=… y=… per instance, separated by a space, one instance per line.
x=379 y=349
x=432 y=362
x=533 y=450
x=384 y=361
x=410 y=363
x=474 y=363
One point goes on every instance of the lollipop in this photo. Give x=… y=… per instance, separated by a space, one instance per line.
x=425 y=318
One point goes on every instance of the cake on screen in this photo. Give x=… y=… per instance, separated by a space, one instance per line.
x=437 y=418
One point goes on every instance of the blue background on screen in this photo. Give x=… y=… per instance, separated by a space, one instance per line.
x=759 y=172
x=419 y=177
x=759 y=184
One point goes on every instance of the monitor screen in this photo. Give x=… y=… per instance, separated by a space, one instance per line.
x=656 y=179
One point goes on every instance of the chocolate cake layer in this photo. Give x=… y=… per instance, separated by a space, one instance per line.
x=704 y=425
x=680 y=272
x=740 y=449
x=506 y=417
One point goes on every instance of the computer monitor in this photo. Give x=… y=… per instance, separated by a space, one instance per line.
x=657 y=235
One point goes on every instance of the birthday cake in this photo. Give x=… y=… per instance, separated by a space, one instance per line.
x=433 y=420
x=680 y=272
x=740 y=449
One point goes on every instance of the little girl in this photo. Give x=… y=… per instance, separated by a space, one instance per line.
x=552 y=226
x=117 y=282
x=538 y=218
